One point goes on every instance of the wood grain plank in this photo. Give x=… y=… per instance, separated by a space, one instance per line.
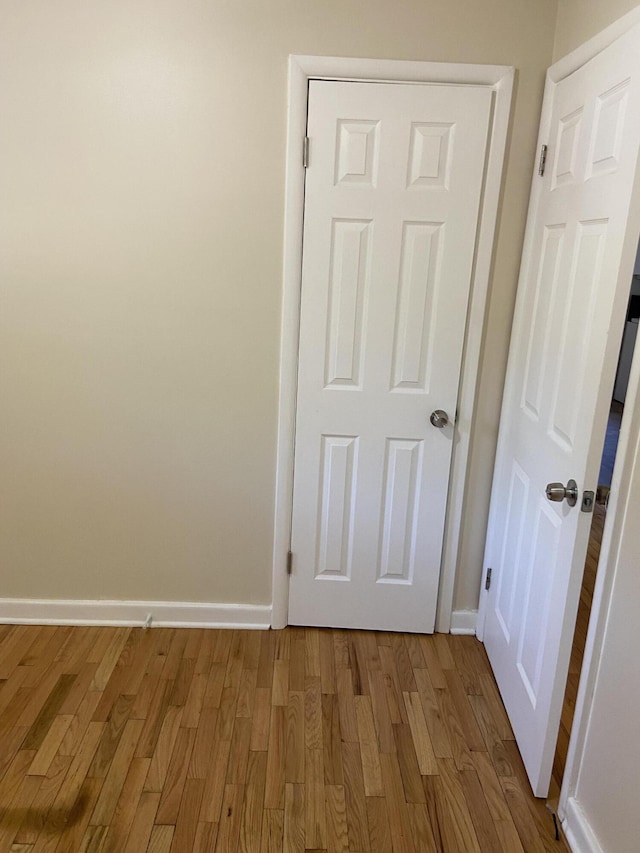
x=143 y=821
x=315 y=817
x=251 y=822
x=239 y=753
x=261 y=719
x=421 y=828
x=109 y=660
x=312 y=653
x=206 y=836
x=280 y=687
x=332 y=753
x=378 y=822
x=271 y=840
x=437 y=730
x=32 y=822
x=346 y=706
x=276 y=758
x=355 y=798
x=48 y=712
x=294 y=819
x=297 y=660
x=480 y=815
x=215 y=782
x=230 y=816
x=176 y=776
x=295 y=744
x=327 y=662
x=187 y=821
x=369 y=752
x=397 y=808
x=313 y=714
x=381 y=714
x=117 y=774
x=420 y=733
x=161 y=839
x=247 y=693
x=126 y=807
x=50 y=745
x=204 y=742
x=163 y=751
x=336 y=819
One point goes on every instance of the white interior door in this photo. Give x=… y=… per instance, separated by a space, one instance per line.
x=391 y=209
x=571 y=301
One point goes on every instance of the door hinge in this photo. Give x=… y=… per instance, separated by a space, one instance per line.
x=487 y=583
x=305 y=152
x=289 y=562
x=543 y=160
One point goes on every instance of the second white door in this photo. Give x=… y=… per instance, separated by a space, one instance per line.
x=572 y=297
x=392 y=197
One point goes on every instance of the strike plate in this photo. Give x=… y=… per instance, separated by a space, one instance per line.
x=588 y=499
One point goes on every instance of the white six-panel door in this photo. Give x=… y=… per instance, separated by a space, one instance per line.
x=564 y=346
x=391 y=209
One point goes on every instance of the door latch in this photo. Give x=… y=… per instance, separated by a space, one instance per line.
x=587 y=502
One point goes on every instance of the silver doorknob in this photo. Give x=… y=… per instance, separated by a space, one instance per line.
x=558 y=492
x=439 y=418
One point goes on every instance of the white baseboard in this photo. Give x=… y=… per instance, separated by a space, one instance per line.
x=160 y=614
x=464 y=621
x=580 y=837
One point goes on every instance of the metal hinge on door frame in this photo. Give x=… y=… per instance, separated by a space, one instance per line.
x=487 y=583
x=305 y=152
x=289 y=562
x=542 y=162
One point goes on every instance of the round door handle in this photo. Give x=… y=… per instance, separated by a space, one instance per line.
x=558 y=492
x=439 y=418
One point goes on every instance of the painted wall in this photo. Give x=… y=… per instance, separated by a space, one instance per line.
x=141 y=178
x=579 y=20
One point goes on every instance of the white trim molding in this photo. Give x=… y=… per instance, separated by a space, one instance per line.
x=158 y=614
x=498 y=78
x=464 y=622
x=580 y=837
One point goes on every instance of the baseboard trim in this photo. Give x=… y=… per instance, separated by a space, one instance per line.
x=580 y=837
x=160 y=614
x=464 y=621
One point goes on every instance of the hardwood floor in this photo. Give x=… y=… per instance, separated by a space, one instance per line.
x=119 y=739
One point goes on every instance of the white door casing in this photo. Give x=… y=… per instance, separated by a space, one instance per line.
x=391 y=211
x=569 y=312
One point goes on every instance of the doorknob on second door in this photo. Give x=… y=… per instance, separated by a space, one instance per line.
x=558 y=492
x=439 y=418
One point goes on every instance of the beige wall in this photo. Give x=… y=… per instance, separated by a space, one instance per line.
x=579 y=20
x=141 y=169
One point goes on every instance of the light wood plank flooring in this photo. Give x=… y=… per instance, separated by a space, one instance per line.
x=119 y=739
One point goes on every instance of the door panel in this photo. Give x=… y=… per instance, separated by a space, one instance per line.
x=562 y=360
x=391 y=208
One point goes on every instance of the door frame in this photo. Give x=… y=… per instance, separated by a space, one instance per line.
x=498 y=78
x=559 y=71
x=574 y=822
